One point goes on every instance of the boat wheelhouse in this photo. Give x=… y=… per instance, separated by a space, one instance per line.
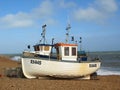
x=42 y=49
x=66 y=52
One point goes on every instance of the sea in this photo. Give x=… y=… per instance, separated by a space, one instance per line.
x=110 y=61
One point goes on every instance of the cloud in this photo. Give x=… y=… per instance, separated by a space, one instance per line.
x=18 y=20
x=47 y=11
x=88 y=14
x=64 y=4
x=44 y=10
x=22 y=19
x=108 y=6
x=98 y=11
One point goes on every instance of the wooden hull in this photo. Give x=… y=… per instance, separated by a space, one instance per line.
x=33 y=68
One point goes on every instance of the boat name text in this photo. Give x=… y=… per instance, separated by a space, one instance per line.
x=92 y=65
x=35 y=62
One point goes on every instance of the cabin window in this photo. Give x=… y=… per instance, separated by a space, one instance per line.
x=73 y=51
x=66 y=50
x=41 y=48
x=46 y=48
x=36 y=48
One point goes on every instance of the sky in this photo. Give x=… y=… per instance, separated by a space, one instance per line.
x=96 y=21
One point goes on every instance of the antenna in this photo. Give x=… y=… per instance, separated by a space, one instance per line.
x=68 y=30
x=80 y=43
x=44 y=33
x=72 y=38
x=52 y=46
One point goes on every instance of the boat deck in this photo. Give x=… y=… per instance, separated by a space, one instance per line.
x=53 y=58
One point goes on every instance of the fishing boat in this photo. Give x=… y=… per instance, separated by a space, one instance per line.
x=65 y=63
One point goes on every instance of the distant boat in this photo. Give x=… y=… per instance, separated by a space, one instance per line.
x=65 y=63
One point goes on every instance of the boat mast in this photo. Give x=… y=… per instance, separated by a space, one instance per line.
x=44 y=33
x=68 y=31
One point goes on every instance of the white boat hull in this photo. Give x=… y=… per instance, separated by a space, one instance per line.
x=33 y=68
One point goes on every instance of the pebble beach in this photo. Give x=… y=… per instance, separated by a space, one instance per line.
x=107 y=82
